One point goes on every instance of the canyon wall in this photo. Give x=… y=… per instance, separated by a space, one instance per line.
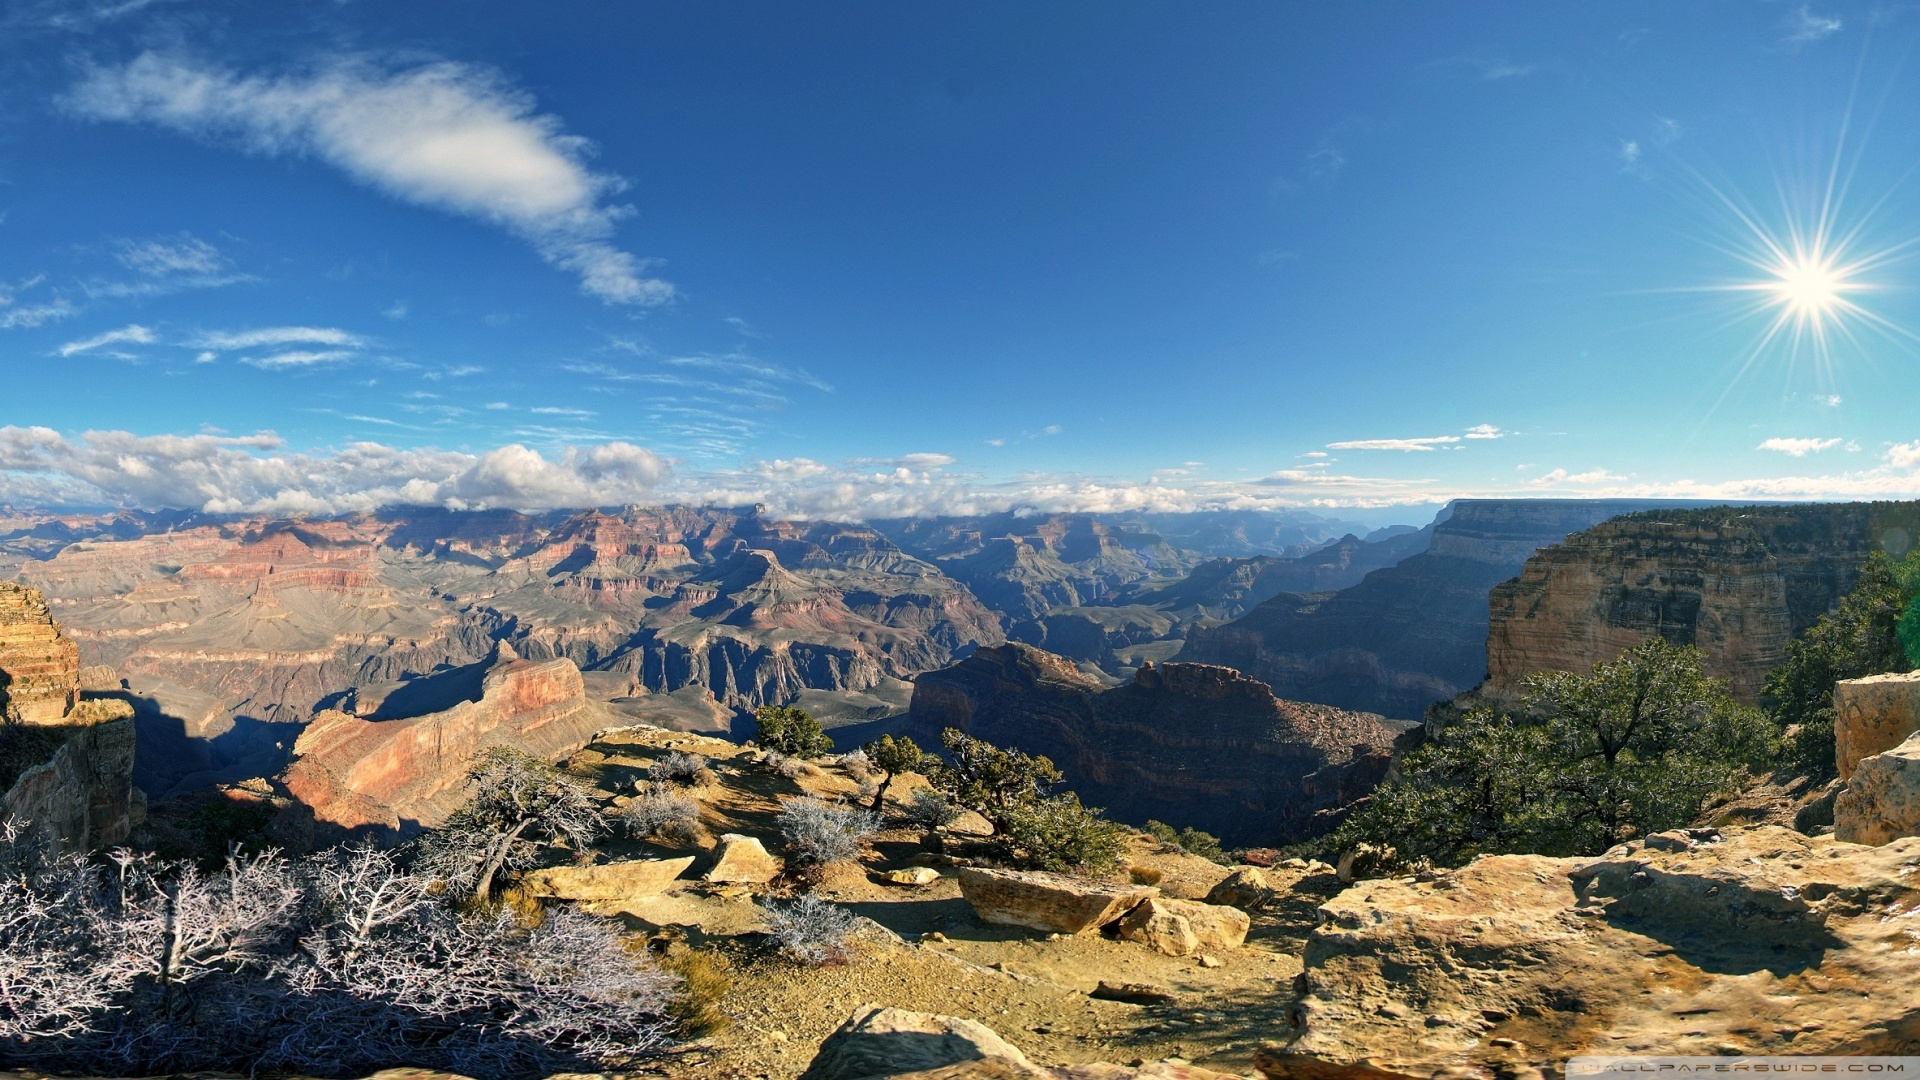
x=1737 y=582
x=1407 y=635
x=1189 y=744
x=66 y=764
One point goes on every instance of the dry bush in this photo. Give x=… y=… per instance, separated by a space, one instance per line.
x=663 y=814
x=1143 y=875
x=705 y=981
x=931 y=809
x=677 y=767
x=810 y=930
x=818 y=832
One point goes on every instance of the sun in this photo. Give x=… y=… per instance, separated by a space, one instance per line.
x=1810 y=288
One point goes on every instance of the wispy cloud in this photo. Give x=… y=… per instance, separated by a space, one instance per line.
x=166 y=264
x=1485 y=431
x=1561 y=477
x=15 y=314
x=133 y=334
x=1798 y=447
x=234 y=340
x=1488 y=70
x=444 y=135
x=298 y=358
x=1429 y=443
x=1803 y=27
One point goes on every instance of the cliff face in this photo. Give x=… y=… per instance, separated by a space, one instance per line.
x=1738 y=583
x=1407 y=635
x=391 y=776
x=68 y=762
x=1188 y=744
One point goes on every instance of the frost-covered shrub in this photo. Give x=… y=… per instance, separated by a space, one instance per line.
x=810 y=930
x=792 y=768
x=334 y=967
x=818 y=832
x=856 y=763
x=661 y=813
x=677 y=767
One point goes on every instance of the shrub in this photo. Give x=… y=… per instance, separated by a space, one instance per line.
x=1633 y=747
x=857 y=764
x=1190 y=840
x=334 y=967
x=892 y=756
x=931 y=809
x=818 y=832
x=664 y=814
x=704 y=984
x=677 y=767
x=791 y=731
x=993 y=782
x=1144 y=875
x=790 y=767
x=810 y=930
x=519 y=803
x=1059 y=834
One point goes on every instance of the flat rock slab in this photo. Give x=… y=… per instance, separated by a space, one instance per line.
x=877 y=1042
x=607 y=881
x=1043 y=901
x=743 y=860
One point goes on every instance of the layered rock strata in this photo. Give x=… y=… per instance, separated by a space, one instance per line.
x=1407 y=635
x=390 y=777
x=1881 y=801
x=1737 y=583
x=39 y=666
x=1873 y=715
x=1765 y=941
x=1190 y=744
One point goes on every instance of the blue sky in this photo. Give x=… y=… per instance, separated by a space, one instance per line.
x=861 y=260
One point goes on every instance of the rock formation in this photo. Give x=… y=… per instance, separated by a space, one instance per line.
x=66 y=764
x=1738 y=583
x=1764 y=941
x=1052 y=902
x=1881 y=801
x=1409 y=634
x=1873 y=715
x=390 y=777
x=1190 y=744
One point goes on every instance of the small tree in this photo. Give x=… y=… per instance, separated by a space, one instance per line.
x=988 y=780
x=791 y=731
x=1059 y=834
x=1190 y=840
x=519 y=803
x=891 y=756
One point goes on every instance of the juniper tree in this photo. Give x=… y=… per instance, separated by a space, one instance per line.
x=519 y=804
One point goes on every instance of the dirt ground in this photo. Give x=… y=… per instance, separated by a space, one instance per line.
x=928 y=952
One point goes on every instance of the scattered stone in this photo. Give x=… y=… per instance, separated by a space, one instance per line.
x=607 y=881
x=1042 y=901
x=1882 y=800
x=743 y=859
x=918 y=875
x=880 y=1042
x=1133 y=993
x=1246 y=888
x=1207 y=960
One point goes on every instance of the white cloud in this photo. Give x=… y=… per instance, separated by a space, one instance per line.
x=445 y=135
x=1630 y=152
x=1831 y=401
x=1559 y=477
x=134 y=334
x=1803 y=27
x=1394 y=444
x=297 y=358
x=996 y=442
x=14 y=314
x=229 y=341
x=1798 y=447
x=255 y=474
x=1904 y=455
x=165 y=265
x=1484 y=431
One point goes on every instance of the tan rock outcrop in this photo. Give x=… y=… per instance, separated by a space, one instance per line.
x=1872 y=715
x=609 y=882
x=743 y=860
x=1761 y=941
x=393 y=775
x=1881 y=801
x=39 y=665
x=877 y=1042
x=1042 y=901
x=1156 y=925
x=1247 y=888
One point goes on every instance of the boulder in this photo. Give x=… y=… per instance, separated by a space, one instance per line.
x=1154 y=924
x=1764 y=941
x=607 y=881
x=1246 y=888
x=914 y=875
x=1184 y=927
x=743 y=859
x=1043 y=901
x=1133 y=993
x=1882 y=800
x=879 y=1042
x=1873 y=715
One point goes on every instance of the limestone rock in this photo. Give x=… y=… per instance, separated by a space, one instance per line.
x=743 y=860
x=39 y=665
x=1043 y=901
x=1184 y=927
x=1872 y=715
x=1882 y=800
x=1153 y=923
x=1134 y=993
x=916 y=875
x=1195 y=743
x=880 y=1042
x=1766 y=941
x=607 y=881
x=1246 y=888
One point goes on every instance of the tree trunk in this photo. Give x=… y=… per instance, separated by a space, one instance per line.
x=484 y=887
x=880 y=795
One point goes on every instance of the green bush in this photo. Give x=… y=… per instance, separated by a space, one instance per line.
x=893 y=756
x=791 y=731
x=1059 y=834
x=1190 y=840
x=988 y=780
x=1873 y=630
x=1635 y=746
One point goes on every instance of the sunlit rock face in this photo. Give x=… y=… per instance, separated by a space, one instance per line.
x=39 y=666
x=1190 y=744
x=1407 y=635
x=1738 y=583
